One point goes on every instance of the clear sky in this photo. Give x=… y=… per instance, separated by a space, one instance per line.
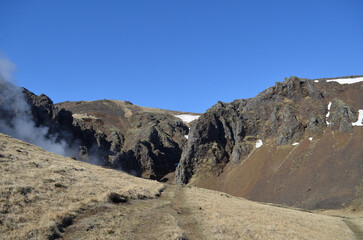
x=177 y=54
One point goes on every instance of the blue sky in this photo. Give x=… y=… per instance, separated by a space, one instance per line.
x=177 y=54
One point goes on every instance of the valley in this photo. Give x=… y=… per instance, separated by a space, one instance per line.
x=47 y=196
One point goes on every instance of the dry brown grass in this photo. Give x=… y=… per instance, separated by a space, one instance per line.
x=225 y=217
x=39 y=189
x=45 y=196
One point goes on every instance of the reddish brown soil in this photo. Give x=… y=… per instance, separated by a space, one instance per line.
x=313 y=174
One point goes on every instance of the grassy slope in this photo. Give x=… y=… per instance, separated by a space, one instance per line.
x=43 y=195
x=40 y=189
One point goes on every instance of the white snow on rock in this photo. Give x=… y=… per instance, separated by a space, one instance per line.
x=310 y=138
x=346 y=80
x=186 y=136
x=316 y=80
x=328 y=114
x=259 y=143
x=359 y=123
x=295 y=143
x=187 y=118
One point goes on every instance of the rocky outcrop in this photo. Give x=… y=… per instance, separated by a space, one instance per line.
x=342 y=116
x=147 y=144
x=153 y=149
x=61 y=125
x=143 y=141
x=228 y=131
x=35 y=119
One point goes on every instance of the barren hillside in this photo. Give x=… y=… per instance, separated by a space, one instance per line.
x=298 y=143
x=147 y=142
x=47 y=196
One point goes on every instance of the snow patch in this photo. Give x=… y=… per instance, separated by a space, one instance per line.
x=328 y=114
x=186 y=136
x=310 y=138
x=316 y=80
x=359 y=123
x=295 y=143
x=259 y=143
x=346 y=80
x=187 y=118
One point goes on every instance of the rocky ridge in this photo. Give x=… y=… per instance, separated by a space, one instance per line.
x=142 y=141
x=292 y=144
x=147 y=142
x=284 y=114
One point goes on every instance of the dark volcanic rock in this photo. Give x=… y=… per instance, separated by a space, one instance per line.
x=153 y=149
x=342 y=116
x=60 y=124
x=143 y=141
x=147 y=144
x=228 y=131
x=37 y=120
x=291 y=128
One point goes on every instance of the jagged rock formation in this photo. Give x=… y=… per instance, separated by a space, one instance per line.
x=224 y=139
x=144 y=141
x=292 y=144
x=141 y=141
x=23 y=111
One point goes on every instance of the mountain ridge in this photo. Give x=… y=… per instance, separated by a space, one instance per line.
x=225 y=137
x=286 y=119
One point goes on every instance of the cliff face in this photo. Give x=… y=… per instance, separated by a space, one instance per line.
x=129 y=138
x=146 y=142
x=37 y=120
x=230 y=136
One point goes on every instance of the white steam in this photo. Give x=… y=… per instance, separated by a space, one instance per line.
x=16 y=118
x=6 y=69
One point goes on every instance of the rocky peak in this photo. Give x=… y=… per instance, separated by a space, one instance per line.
x=229 y=131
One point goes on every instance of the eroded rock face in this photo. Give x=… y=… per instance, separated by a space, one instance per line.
x=154 y=149
x=60 y=123
x=229 y=131
x=142 y=141
x=342 y=116
x=147 y=144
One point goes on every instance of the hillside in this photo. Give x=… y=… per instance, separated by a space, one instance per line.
x=47 y=196
x=147 y=142
x=107 y=115
x=297 y=143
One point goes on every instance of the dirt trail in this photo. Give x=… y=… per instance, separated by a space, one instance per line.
x=167 y=217
x=355 y=228
x=183 y=212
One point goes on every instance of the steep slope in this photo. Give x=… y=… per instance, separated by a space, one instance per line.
x=145 y=141
x=35 y=119
x=47 y=196
x=292 y=144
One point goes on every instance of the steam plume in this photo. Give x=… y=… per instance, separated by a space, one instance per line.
x=16 y=118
